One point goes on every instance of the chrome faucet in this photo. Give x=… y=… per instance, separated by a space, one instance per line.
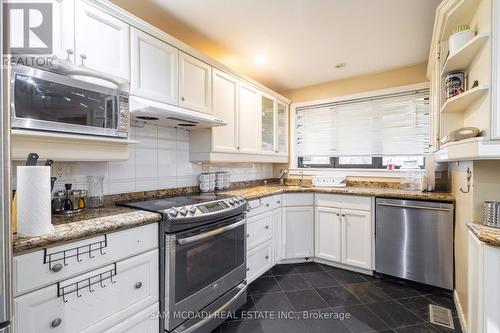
x=283 y=172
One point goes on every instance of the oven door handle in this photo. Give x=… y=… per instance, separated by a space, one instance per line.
x=213 y=314
x=209 y=234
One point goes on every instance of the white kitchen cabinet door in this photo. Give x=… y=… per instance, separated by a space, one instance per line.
x=328 y=234
x=101 y=41
x=475 y=284
x=248 y=119
x=259 y=261
x=259 y=229
x=277 y=234
x=63 y=32
x=154 y=68
x=282 y=128
x=357 y=238
x=224 y=95
x=492 y=288
x=298 y=232
x=146 y=321
x=93 y=309
x=195 y=84
x=267 y=123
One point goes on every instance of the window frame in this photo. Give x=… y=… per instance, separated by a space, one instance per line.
x=294 y=160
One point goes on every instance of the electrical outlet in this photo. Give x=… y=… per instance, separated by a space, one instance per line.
x=62 y=170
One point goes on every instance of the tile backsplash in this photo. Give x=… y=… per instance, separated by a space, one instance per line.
x=159 y=161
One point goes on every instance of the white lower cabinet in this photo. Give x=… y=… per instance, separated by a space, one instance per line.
x=146 y=321
x=344 y=235
x=483 y=315
x=259 y=229
x=328 y=234
x=116 y=293
x=277 y=234
x=298 y=232
x=259 y=260
x=356 y=238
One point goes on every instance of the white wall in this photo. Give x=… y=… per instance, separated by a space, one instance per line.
x=159 y=161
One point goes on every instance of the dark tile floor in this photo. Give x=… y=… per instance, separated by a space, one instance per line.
x=315 y=298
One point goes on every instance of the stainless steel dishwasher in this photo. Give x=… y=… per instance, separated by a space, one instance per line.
x=414 y=241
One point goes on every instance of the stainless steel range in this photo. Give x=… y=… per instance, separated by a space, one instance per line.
x=202 y=259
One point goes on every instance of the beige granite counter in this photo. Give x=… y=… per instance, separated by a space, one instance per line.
x=262 y=191
x=91 y=223
x=489 y=235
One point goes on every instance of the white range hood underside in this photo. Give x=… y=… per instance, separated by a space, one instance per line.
x=166 y=115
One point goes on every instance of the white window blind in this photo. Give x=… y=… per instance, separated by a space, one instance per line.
x=396 y=124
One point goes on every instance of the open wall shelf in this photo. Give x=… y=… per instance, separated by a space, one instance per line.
x=462 y=59
x=461 y=102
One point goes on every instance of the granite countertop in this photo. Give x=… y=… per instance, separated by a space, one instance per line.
x=262 y=191
x=489 y=235
x=88 y=224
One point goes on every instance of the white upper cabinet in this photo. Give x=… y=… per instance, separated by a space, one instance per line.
x=281 y=128
x=63 y=35
x=101 y=41
x=248 y=119
x=195 y=84
x=267 y=106
x=356 y=238
x=224 y=94
x=154 y=68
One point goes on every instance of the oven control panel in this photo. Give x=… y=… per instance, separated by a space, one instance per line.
x=208 y=208
x=213 y=207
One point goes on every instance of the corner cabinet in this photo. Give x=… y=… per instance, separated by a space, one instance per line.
x=154 y=68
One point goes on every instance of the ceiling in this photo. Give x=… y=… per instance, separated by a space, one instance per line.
x=289 y=44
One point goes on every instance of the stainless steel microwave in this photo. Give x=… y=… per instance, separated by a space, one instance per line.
x=46 y=101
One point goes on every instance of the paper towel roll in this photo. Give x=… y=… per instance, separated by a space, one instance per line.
x=33 y=201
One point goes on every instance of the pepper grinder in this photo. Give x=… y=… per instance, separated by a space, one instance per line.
x=67 y=204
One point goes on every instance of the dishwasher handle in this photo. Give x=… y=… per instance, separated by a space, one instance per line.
x=415 y=207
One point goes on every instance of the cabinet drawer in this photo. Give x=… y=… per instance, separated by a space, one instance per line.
x=145 y=321
x=258 y=206
x=343 y=201
x=41 y=268
x=298 y=199
x=277 y=201
x=259 y=260
x=259 y=229
x=92 y=309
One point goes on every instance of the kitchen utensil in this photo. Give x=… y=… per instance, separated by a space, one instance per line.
x=95 y=185
x=412 y=176
x=491 y=214
x=32 y=159
x=58 y=202
x=67 y=203
x=49 y=163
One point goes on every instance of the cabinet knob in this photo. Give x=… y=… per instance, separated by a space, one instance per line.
x=278 y=202
x=343 y=215
x=267 y=227
x=83 y=57
x=267 y=257
x=138 y=285
x=248 y=235
x=267 y=205
x=238 y=148
x=57 y=268
x=248 y=269
x=276 y=151
x=338 y=214
x=183 y=99
x=56 y=322
x=69 y=52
